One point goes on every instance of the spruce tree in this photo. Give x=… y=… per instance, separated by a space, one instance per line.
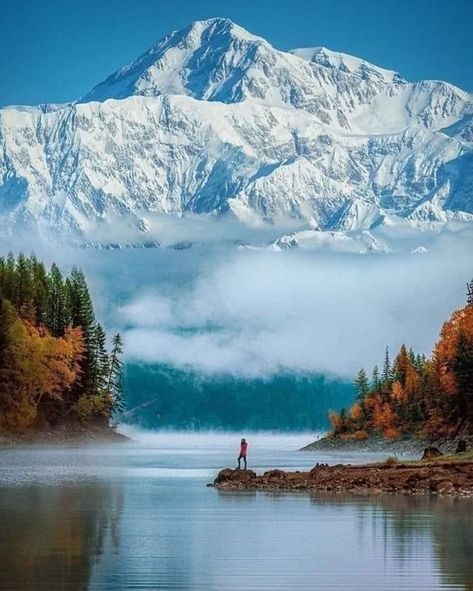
x=82 y=314
x=361 y=385
x=386 y=375
x=463 y=371
x=401 y=363
x=469 y=298
x=40 y=290
x=102 y=366
x=23 y=288
x=8 y=280
x=57 y=317
x=116 y=374
x=375 y=379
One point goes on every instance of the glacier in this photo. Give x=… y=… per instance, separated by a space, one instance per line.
x=214 y=121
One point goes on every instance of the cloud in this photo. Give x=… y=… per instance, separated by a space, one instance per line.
x=259 y=313
x=221 y=310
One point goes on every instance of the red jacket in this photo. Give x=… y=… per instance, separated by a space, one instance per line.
x=243 y=448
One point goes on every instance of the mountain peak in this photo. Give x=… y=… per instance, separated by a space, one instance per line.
x=213 y=119
x=218 y=25
x=183 y=62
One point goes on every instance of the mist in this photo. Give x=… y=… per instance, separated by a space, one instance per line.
x=218 y=309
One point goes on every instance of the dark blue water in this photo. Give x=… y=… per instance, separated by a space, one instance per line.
x=139 y=516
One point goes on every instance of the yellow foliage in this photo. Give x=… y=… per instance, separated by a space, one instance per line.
x=360 y=435
x=356 y=412
x=98 y=404
x=398 y=392
x=35 y=366
x=446 y=348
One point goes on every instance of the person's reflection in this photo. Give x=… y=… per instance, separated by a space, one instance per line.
x=51 y=537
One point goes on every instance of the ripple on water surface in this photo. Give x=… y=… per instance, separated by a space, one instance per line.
x=139 y=516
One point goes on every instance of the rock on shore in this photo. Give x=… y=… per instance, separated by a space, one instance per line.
x=453 y=478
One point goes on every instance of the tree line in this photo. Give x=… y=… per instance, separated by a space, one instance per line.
x=413 y=394
x=54 y=362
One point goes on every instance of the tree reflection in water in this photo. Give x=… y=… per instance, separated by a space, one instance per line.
x=53 y=536
x=410 y=522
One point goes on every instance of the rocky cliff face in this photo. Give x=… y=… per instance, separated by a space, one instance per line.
x=214 y=120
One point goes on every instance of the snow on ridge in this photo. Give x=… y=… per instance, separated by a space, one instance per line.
x=214 y=120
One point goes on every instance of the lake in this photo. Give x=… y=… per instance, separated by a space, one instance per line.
x=139 y=516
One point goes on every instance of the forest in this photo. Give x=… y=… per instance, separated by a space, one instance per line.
x=415 y=395
x=161 y=396
x=54 y=363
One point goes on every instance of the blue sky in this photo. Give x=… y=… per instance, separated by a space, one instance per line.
x=55 y=51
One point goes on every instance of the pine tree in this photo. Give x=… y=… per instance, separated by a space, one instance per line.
x=375 y=379
x=40 y=290
x=116 y=375
x=102 y=367
x=23 y=288
x=386 y=375
x=361 y=385
x=8 y=278
x=463 y=371
x=57 y=317
x=82 y=314
x=401 y=363
x=469 y=298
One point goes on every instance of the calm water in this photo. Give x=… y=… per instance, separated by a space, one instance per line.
x=138 y=516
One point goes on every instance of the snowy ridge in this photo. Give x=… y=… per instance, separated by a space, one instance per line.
x=214 y=120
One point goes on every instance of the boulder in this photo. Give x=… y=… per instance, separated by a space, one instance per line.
x=234 y=476
x=275 y=475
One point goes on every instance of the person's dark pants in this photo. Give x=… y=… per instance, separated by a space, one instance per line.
x=239 y=460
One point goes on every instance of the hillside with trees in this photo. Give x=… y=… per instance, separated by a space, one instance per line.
x=55 y=368
x=414 y=395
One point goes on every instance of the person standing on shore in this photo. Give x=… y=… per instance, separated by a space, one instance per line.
x=243 y=451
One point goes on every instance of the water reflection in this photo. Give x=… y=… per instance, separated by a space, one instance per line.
x=141 y=517
x=53 y=536
x=412 y=526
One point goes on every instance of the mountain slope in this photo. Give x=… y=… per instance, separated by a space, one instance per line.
x=213 y=120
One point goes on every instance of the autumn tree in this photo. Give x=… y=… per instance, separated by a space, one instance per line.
x=53 y=353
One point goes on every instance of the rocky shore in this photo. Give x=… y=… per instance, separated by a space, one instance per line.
x=452 y=476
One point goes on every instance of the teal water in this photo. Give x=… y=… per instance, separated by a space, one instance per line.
x=139 y=516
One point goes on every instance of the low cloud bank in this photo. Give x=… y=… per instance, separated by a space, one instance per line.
x=217 y=309
x=260 y=313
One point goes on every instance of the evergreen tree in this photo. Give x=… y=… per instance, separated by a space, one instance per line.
x=469 y=298
x=8 y=278
x=386 y=375
x=40 y=290
x=23 y=288
x=463 y=371
x=82 y=314
x=102 y=366
x=361 y=385
x=57 y=317
x=116 y=374
x=400 y=366
x=375 y=379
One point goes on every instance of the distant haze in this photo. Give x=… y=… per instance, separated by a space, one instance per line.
x=220 y=310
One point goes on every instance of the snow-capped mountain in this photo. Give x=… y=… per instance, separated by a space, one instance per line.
x=214 y=120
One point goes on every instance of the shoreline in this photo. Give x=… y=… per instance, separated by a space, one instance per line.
x=70 y=434
x=445 y=475
x=405 y=445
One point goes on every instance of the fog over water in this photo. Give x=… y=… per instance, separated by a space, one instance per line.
x=139 y=516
